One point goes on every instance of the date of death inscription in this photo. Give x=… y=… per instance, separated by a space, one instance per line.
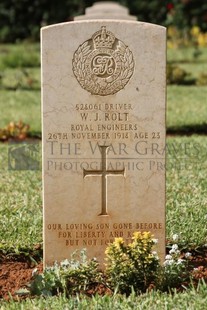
x=103 y=132
x=99 y=234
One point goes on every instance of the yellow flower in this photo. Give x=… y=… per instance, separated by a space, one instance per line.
x=195 y=31
x=147 y=235
x=202 y=39
x=170 y=44
x=137 y=235
x=118 y=241
x=171 y=31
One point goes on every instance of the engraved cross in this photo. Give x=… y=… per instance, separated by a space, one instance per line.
x=103 y=173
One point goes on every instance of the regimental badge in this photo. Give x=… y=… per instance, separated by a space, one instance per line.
x=103 y=65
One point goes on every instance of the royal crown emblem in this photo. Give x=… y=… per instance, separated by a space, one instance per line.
x=103 y=65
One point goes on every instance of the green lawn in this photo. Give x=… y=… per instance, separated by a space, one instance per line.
x=21 y=198
x=187 y=55
x=190 y=300
x=186 y=188
x=187 y=108
x=21 y=105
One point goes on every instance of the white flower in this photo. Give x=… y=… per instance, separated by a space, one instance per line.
x=175 y=237
x=168 y=257
x=175 y=247
x=187 y=254
x=65 y=263
x=172 y=251
x=34 y=272
x=180 y=261
x=155 y=241
x=154 y=253
x=168 y=262
x=177 y=252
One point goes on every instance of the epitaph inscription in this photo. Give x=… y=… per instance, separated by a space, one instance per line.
x=103 y=65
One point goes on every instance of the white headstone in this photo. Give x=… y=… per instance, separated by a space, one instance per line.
x=103 y=105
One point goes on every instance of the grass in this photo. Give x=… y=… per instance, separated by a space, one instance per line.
x=21 y=105
x=187 y=190
x=21 y=198
x=186 y=105
x=19 y=55
x=191 y=299
x=21 y=79
x=186 y=108
x=20 y=208
x=195 y=69
x=187 y=55
x=20 y=191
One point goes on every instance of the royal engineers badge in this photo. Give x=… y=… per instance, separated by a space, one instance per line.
x=103 y=65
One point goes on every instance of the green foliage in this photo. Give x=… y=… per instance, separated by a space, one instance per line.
x=153 y=11
x=176 y=75
x=187 y=55
x=134 y=265
x=21 y=104
x=202 y=79
x=186 y=109
x=179 y=76
x=20 y=208
x=22 y=19
x=14 y=130
x=190 y=13
x=130 y=268
x=186 y=191
x=191 y=299
x=19 y=79
x=19 y=56
x=70 y=277
x=174 y=271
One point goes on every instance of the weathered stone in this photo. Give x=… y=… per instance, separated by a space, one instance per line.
x=106 y=10
x=103 y=105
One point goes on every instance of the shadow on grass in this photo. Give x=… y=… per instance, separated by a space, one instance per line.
x=199 y=129
x=35 y=135
x=187 y=61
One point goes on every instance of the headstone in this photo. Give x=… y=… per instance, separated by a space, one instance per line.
x=106 y=10
x=103 y=105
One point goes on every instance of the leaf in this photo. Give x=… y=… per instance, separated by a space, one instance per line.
x=22 y=292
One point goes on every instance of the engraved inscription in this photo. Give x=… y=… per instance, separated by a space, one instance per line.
x=103 y=173
x=103 y=65
x=98 y=234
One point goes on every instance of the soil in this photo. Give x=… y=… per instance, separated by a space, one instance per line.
x=16 y=274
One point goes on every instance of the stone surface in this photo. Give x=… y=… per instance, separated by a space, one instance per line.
x=107 y=7
x=103 y=105
x=106 y=10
